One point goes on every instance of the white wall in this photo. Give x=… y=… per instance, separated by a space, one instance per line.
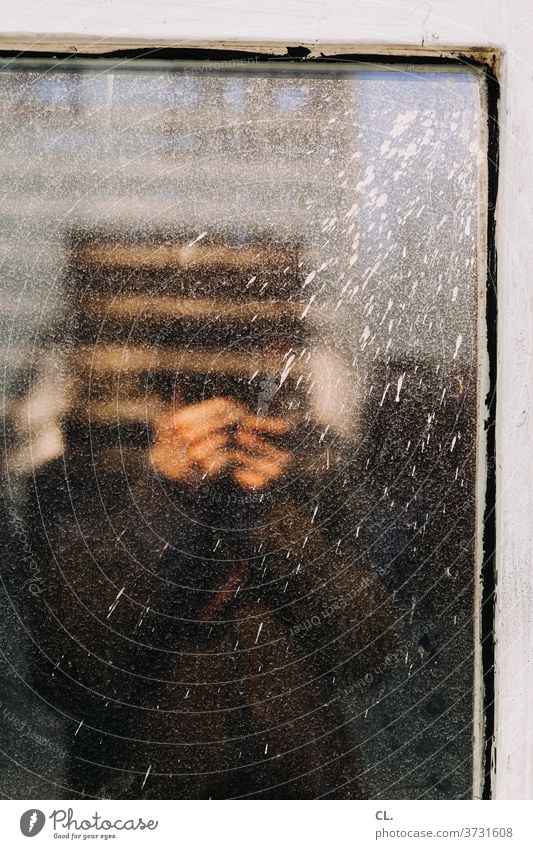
x=507 y=24
x=354 y=21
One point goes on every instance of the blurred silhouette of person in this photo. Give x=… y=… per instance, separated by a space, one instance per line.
x=198 y=625
x=204 y=614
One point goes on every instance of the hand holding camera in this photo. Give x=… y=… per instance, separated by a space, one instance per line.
x=205 y=440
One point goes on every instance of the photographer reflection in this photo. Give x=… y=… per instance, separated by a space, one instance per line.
x=174 y=631
x=206 y=607
x=173 y=634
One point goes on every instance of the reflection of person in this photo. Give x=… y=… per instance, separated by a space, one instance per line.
x=201 y=623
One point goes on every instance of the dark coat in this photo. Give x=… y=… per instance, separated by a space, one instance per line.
x=200 y=643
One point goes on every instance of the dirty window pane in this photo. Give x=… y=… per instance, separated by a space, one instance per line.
x=240 y=363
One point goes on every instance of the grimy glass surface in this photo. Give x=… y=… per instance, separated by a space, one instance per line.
x=239 y=312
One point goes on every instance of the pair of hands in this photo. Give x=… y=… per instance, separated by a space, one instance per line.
x=202 y=441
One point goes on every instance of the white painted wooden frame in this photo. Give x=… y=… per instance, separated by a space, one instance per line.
x=490 y=29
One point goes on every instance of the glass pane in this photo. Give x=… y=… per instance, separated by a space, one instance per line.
x=240 y=362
